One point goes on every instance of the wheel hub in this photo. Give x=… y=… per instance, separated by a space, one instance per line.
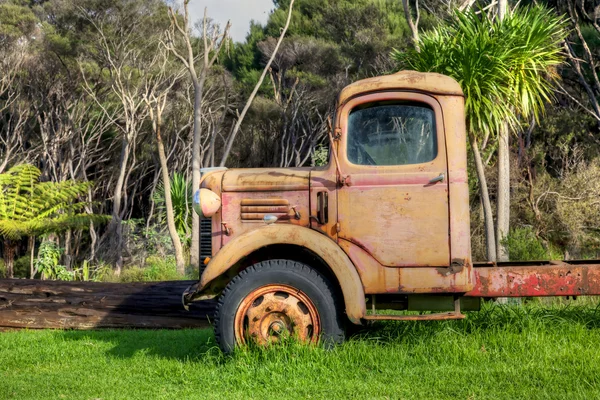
x=275 y=311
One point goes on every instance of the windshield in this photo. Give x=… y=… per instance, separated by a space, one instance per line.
x=391 y=134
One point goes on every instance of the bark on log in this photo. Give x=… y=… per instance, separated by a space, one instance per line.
x=37 y=304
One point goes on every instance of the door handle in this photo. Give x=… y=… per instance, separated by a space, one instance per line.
x=323 y=207
x=439 y=178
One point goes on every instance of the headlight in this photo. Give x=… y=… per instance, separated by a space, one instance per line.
x=206 y=203
x=196 y=203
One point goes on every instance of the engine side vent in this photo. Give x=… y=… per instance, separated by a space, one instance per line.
x=256 y=209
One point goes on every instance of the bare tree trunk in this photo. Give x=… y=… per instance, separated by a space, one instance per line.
x=490 y=240
x=68 y=254
x=502 y=8
x=152 y=203
x=413 y=25
x=9 y=257
x=211 y=45
x=179 y=257
x=93 y=235
x=503 y=195
x=115 y=228
x=32 y=255
x=253 y=94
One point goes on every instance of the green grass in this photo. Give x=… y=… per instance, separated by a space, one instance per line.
x=508 y=352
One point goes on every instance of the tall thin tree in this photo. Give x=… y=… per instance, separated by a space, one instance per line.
x=156 y=97
x=213 y=42
x=503 y=164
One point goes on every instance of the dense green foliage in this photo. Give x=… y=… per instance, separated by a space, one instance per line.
x=73 y=77
x=528 y=352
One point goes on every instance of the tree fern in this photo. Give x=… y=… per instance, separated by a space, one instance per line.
x=32 y=208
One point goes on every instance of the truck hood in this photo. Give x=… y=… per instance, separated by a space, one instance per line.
x=266 y=179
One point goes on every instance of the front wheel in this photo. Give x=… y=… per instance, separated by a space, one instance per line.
x=275 y=298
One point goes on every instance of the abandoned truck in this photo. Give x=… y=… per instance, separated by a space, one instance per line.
x=385 y=225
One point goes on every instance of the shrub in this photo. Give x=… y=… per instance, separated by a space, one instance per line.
x=47 y=263
x=141 y=243
x=161 y=269
x=131 y=274
x=22 y=267
x=523 y=245
x=91 y=273
x=156 y=269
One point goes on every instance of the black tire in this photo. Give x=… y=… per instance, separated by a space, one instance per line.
x=285 y=272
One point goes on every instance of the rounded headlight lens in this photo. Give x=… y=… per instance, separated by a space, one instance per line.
x=196 y=203
x=206 y=203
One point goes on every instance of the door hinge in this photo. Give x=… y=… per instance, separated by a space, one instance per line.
x=337 y=227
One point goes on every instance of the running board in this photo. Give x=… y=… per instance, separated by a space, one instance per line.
x=456 y=314
x=421 y=317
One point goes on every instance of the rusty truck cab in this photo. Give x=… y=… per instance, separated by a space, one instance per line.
x=387 y=218
x=400 y=210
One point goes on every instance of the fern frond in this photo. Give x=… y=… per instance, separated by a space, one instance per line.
x=31 y=208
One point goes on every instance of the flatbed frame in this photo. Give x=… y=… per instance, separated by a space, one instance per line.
x=536 y=279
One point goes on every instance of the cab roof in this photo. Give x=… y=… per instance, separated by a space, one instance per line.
x=428 y=82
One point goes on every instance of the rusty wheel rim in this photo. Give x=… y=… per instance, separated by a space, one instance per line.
x=274 y=311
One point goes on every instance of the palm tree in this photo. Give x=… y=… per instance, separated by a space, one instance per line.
x=31 y=208
x=506 y=69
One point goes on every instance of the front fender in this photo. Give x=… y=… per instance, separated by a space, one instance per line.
x=327 y=249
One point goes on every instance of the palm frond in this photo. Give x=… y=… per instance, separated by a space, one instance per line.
x=506 y=69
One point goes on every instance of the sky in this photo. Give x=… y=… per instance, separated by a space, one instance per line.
x=240 y=12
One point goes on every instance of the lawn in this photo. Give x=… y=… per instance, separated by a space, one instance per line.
x=502 y=352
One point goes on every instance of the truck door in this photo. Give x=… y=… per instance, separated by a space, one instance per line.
x=395 y=202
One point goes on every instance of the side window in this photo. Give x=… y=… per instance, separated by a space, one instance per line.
x=391 y=133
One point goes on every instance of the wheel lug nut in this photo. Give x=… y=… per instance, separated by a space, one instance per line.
x=269 y=309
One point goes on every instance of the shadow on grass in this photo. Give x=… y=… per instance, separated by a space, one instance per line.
x=183 y=345
x=200 y=345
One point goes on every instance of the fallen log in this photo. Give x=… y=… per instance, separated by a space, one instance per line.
x=35 y=304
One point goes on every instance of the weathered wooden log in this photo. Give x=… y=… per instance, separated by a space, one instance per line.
x=38 y=304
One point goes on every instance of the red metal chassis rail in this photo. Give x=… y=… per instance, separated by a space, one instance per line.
x=536 y=279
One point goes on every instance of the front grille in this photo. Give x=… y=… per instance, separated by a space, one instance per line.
x=205 y=238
